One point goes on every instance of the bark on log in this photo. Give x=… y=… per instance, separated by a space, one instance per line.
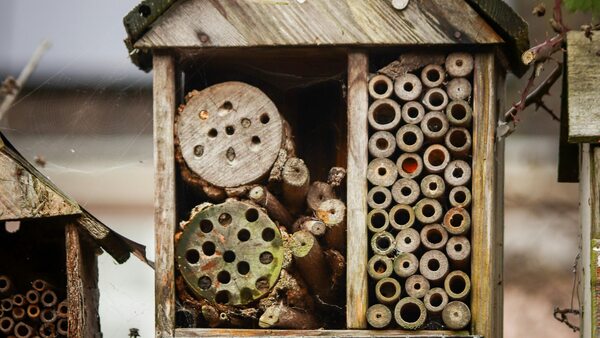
x=291 y=290
x=333 y=213
x=337 y=266
x=296 y=180
x=284 y=317
x=261 y=196
x=318 y=193
x=311 y=263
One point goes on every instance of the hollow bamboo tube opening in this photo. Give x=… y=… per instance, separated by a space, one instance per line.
x=408 y=87
x=401 y=216
x=318 y=193
x=435 y=99
x=18 y=300
x=413 y=112
x=48 y=298
x=23 y=330
x=379 y=316
x=47 y=330
x=459 y=89
x=434 y=236
x=458 y=249
x=6 y=304
x=435 y=300
x=48 y=315
x=6 y=325
x=33 y=311
x=380 y=87
x=457 y=285
x=457 y=221
x=384 y=114
x=310 y=260
x=436 y=158
x=409 y=165
x=18 y=313
x=457 y=173
x=416 y=286
x=378 y=220
x=408 y=240
x=39 y=285
x=62 y=310
x=387 y=290
x=406 y=264
x=62 y=327
x=460 y=197
x=32 y=297
x=428 y=211
x=379 y=197
x=433 y=186
x=459 y=113
x=434 y=126
x=459 y=64
x=458 y=141
x=382 y=144
x=406 y=191
x=409 y=138
x=433 y=75
x=382 y=171
x=6 y=284
x=456 y=315
x=380 y=266
x=383 y=243
x=410 y=313
x=434 y=265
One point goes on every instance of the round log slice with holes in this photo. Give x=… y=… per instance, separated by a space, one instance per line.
x=230 y=253
x=230 y=134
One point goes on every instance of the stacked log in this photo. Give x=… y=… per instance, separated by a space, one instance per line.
x=419 y=196
x=32 y=312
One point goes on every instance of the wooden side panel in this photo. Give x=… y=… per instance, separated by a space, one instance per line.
x=82 y=285
x=164 y=191
x=242 y=23
x=585 y=217
x=583 y=77
x=358 y=101
x=320 y=333
x=498 y=247
x=485 y=270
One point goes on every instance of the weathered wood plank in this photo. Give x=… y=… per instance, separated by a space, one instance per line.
x=594 y=204
x=485 y=274
x=357 y=237
x=82 y=285
x=164 y=195
x=583 y=78
x=585 y=219
x=239 y=23
x=568 y=153
x=595 y=190
x=498 y=246
x=318 y=333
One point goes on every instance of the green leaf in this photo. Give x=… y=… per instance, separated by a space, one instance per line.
x=591 y=6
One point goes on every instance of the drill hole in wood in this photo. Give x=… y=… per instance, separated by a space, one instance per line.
x=225 y=219
x=381 y=171
x=408 y=86
x=264 y=118
x=262 y=284
x=266 y=257
x=229 y=256
x=199 y=150
x=222 y=297
x=458 y=247
x=268 y=234
x=246 y=122
x=224 y=277
x=230 y=130
x=243 y=268
x=206 y=226
x=212 y=133
x=208 y=248
x=192 y=256
x=243 y=235
x=227 y=105
x=252 y=215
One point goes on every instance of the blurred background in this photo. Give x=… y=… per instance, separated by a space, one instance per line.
x=87 y=111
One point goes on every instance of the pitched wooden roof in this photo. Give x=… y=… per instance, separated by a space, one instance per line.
x=25 y=193
x=259 y=23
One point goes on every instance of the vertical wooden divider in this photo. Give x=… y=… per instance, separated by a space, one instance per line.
x=164 y=93
x=487 y=252
x=358 y=101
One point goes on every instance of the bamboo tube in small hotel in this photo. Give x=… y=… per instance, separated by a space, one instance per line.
x=387 y=290
x=434 y=265
x=410 y=313
x=379 y=197
x=380 y=266
x=416 y=286
x=379 y=316
x=380 y=87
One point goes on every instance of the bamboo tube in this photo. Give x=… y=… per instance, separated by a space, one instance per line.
x=428 y=211
x=459 y=89
x=459 y=64
x=285 y=317
x=409 y=165
x=23 y=330
x=433 y=75
x=336 y=176
x=382 y=144
x=296 y=180
x=413 y=112
x=408 y=87
x=379 y=197
x=458 y=141
x=261 y=196
x=408 y=240
x=379 y=316
x=433 y=186
x=401 y=217
x=387 y=291
x=434 y=126
x=457 y=221
x=434 y=237
x=460 y=197
x=18 y=300
x=459 y=113
x=383 y=243
x=6 y=284
x=384 y=114
x=62 y=310
x=62 y=327
x=458 y=250
x=416 y=286
x=40 y=285
x=33 y=312
x=32 y=297
x=382 y=171
x=456 y=315
x=406 y=265
x=406 y=191
x=435 y=300
x=380 y=87
x=318 y=193
x=409 y=138
x=435 y=99
x=48 y=298
x=377 y=220
x=48 y=315
x=457 y=173
x=333 y=213
x=6 y=304
x=47 y=330
x=436 y=158
x=311 y=263
x=410 y=313
x=18 y=313
x=457 y=285
x=434 y=265
x=380 y=266
x=6 y=325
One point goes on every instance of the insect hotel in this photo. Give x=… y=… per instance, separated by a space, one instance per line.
x=49 y=246
x=328 y=167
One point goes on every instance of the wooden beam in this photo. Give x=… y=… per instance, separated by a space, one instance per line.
x=485 y=270
x=164 y=91
x=320 y=333
x=357 y=236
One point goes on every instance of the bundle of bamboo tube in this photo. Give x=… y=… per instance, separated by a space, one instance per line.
x=35 y=312
x=419 y=195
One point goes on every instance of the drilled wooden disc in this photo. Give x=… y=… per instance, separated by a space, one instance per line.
x=230 y=134
x=230 y=253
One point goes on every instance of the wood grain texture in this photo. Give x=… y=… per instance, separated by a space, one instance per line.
x=594 y=263
x=595 y=190
x=82 y=285
x=164 y=194
x=356 y=196
x=239 y=23
x=583 y=76
x=320 y=333
x=498 y=247
x=585 y=219
x=485 y=272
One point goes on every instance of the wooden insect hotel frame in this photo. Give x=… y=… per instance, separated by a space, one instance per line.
x=402 y=97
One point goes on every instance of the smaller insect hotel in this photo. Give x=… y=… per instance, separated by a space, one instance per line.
x=419 y=176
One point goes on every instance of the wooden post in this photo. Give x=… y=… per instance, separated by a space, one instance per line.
x=486 y=253
x=164 y=94
x=357 y=293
